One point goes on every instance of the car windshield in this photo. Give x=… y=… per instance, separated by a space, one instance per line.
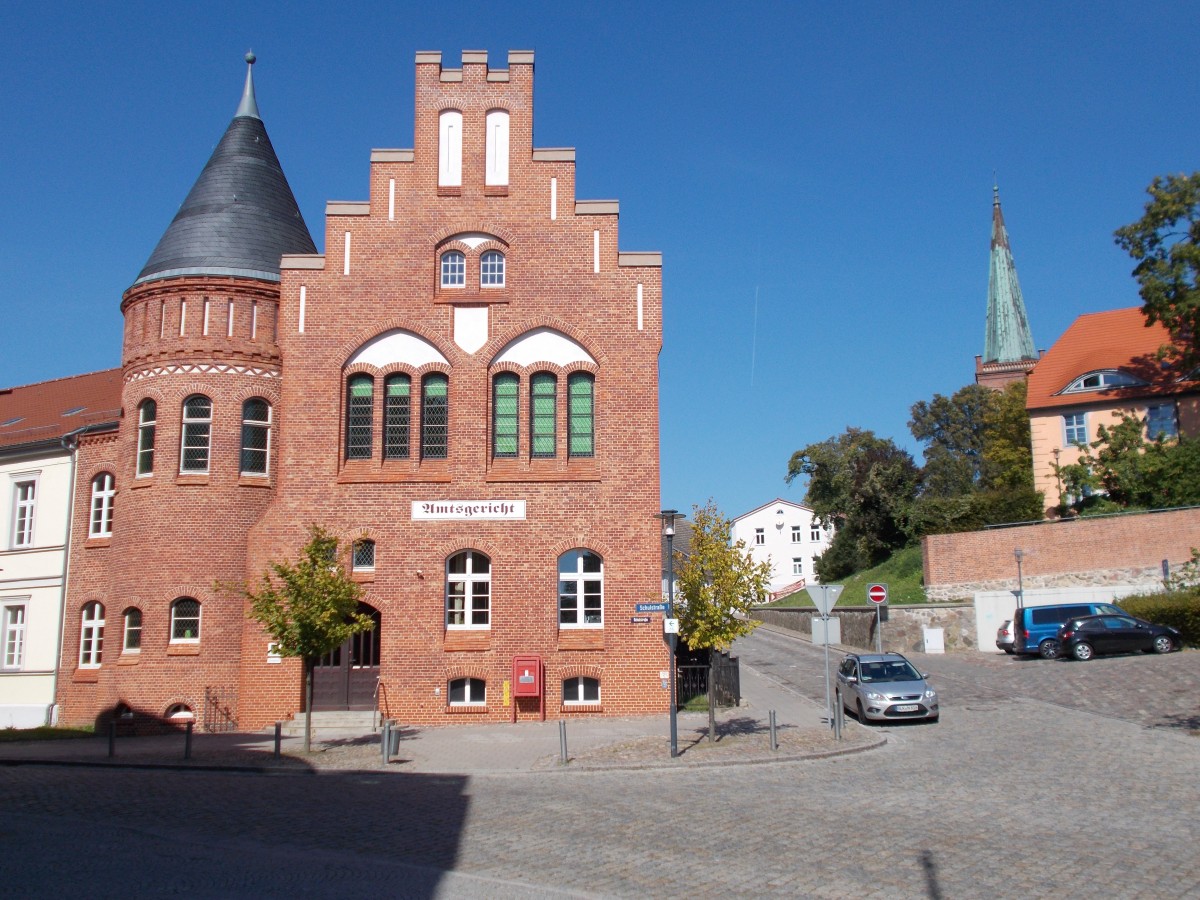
x=900 y=670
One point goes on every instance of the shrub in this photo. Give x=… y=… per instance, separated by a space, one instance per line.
x=1179 y=609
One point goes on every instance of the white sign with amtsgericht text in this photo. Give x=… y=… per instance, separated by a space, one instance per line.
x=458 y=510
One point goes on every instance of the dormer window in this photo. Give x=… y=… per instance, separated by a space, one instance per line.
x=1098 y=381
x=454 y=269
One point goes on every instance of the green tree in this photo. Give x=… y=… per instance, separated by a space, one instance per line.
x=953 y=431
x=1165 y=243
x=718 y=583
x=865 y=486
x=309 y=607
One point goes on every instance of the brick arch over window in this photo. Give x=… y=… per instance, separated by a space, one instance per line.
x=493 y=348
x=448 y=549
x=403 y=345
x=581 y=542
x=494 y=230
x=581 y=671
x=268 y=391
x=474 y=670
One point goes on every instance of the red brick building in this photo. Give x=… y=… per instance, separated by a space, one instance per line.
x=463 y=388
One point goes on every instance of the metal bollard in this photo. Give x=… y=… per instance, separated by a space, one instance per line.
x=774 y=737
x=386 y=740
x=112 y=739
x=562 y=742
x=187 y=742
x=278 y=738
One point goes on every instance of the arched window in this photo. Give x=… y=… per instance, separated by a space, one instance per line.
x=147 y=414
x=132 y=638
x=580 y=590
x=581 y=422
x=363 y=556
x=360 y=408
x=91 y=636
x=435 y=416
x=581 y=690
x=450 y=141
x=468 y=590
x=397 y=416
x=180 y=712
x=256 y=436
x=185 y=621
x=543 y=402
x=197 y=435
x=496 y=147
x=491 y=269
x=103 y=493
x=468 y=692
x=454 y=269
x=505 y=409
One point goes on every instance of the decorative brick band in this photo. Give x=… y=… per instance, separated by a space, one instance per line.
x=201 y=369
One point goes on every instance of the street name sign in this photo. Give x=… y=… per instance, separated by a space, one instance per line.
x=652 y=607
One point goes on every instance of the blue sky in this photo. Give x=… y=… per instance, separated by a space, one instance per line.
x=817 y=176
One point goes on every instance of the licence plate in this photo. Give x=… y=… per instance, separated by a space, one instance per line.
x=906 y=707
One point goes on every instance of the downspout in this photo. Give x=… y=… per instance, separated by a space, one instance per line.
x=70 y=443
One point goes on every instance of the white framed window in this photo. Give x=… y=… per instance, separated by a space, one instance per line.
x=1075 y=428
x=147 y=416
x=580 y=690
x=1096 y=381
x=468 y=692
x=797 y=534
x=132 y=637
x=496 y=147
x=185 y=621
x=12 y=635
x=1161 y=422
x=491 y=269
x=454 y=269
x=450 y=143
x=196 y=438
x=91 y=636
x=797 y=565
x=103 y=494
x=363 y=556
x=580 y=590
x=256 y=436
x=24 y=504
x=468 y=590
x=814 y=531
x=760 y=536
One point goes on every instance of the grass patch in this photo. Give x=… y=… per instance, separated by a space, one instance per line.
x=901 y=572
x=44 y=733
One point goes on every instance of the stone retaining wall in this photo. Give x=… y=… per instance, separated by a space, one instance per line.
x=903 y=632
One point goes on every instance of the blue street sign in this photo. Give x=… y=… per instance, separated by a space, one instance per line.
x=652 y=607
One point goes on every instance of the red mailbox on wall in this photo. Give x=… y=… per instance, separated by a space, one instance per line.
x=527 y=682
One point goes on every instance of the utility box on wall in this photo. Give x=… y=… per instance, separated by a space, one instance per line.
x=527 y=682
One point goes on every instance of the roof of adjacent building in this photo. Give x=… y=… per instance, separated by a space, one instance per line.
x=34 y=413
x=1115 y=341
x=778 y=501
x=240 y=216
x=1008 y=337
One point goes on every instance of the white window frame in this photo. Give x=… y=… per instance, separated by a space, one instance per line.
x=104 y=492
x=24 y=510
x=453 y=264
x=496 y=147
x=127 y=629
x=760 y=537
x=147 y=426
x=797 y=565
x=175 y=619
x=474 y=599
x=797 y=534
x=580 y=698
x=13 y=625
x=190 y=423
x=355 y=565
x=256 y=424
x=450 y=148
x=576 y=582
x=814 y=531
x=91 y=635
x=495 y=277
x=471 y=699
x=1167 y=433
x=1073 y=422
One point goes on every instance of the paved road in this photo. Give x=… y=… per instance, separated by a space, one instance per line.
x=983 y=804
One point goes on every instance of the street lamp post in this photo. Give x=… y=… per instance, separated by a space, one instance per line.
x=1020 y=554
x=668 y=517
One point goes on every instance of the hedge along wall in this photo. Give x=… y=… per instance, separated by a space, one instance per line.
x=1109 y=550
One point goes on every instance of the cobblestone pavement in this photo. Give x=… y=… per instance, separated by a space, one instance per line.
x=983 y=804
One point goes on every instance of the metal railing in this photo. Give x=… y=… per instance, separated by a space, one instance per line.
x=219 y=706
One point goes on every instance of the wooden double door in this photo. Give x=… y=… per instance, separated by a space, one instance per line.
x=346 y=678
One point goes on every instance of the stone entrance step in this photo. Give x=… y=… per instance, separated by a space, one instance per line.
x=327 y=721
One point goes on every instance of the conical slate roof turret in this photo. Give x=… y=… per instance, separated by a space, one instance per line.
x=240 y=215
x=1008 y=337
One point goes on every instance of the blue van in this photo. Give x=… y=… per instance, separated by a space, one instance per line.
x=1035 y=628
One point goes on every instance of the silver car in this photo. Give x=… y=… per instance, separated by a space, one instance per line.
x=880 y=687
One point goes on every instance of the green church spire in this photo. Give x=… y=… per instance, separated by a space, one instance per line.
x=1008 y=336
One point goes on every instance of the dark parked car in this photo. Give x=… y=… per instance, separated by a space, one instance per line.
x=1086 y=636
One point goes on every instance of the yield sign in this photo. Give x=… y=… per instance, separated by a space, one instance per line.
x=877 y=593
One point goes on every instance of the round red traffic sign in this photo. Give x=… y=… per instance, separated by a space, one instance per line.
x=877 y=593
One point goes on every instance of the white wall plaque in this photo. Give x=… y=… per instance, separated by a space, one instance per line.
x=460 y=510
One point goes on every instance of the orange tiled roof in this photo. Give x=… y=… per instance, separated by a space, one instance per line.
x=1118 y=339
x=50 y=409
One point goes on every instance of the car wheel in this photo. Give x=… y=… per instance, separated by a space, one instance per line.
x=1008 y=650
x=1082 y=651
x=1049 y=649
x=1163 y=644
x=862 y=716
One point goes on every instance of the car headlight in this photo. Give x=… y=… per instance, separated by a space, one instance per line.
x=876 y=696
x=930 y=694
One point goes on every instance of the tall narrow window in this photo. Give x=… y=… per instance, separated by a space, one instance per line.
x=147 y=414
x=12 y=624
x=360 y=407
x=760 y=536
x=103 y=492
x=435 y=417
x=797 y=565
x=197 y=434
x=580 y=590
x=797 y=536
x=491 y=269
x=256 y=436
x=581 y=424
x=496 y=147
x=91 y=636
x=814 y=532
x=450 y=141
x=185 y=621
x=543 y=389
x=397 y=416
x=468 y=590
x=505 y=388
x=363 y=556
x=132 y=642
x=454 y=269
x=24 y=501
x=1075 y=428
